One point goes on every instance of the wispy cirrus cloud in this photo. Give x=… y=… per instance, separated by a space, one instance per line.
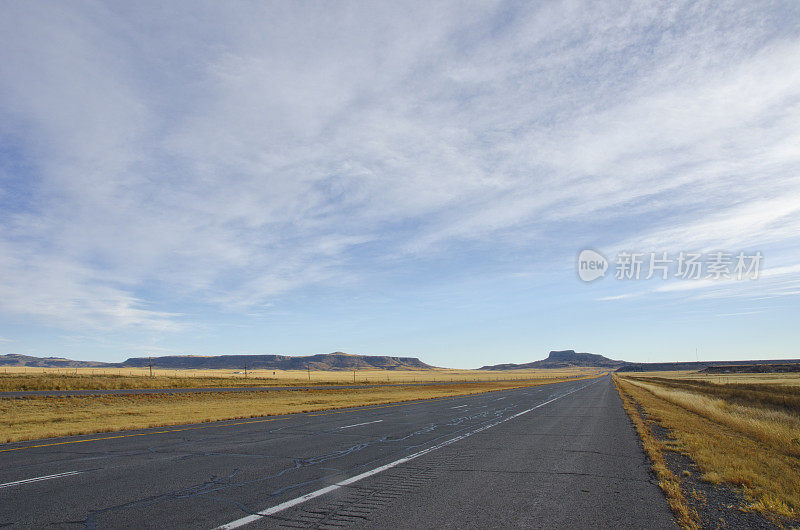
x=267 y=149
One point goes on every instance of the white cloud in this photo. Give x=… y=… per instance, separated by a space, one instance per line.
x=739 y=313
x=63 y=293
x=617 y=297
x=780 y=271
x=770 y=277
x=234 y=161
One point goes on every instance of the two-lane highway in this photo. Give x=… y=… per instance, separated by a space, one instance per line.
x=559 y=455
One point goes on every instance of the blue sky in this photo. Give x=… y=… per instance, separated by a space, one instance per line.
x=399 y=179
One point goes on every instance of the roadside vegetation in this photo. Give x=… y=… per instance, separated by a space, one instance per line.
x=654 y=448
x=21 y=379
x=743 y=434
x=781 y=379
x=72 y=381
x=43 y=417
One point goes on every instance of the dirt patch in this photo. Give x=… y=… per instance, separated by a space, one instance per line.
x=716 y=505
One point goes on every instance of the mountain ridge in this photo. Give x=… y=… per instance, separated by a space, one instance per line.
x=562 y=359
x=321 y=361
x=346 y=361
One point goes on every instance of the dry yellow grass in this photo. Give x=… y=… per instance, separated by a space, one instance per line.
x=791 y=379
x=777 y=428
x=34 y=418
x=18 y=378
x=752 y=445
x=667 y=481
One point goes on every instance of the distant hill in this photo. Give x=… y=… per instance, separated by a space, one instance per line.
x=754 y=368
x=568 y=358
x=323 y=361
x=563 y=359
x=13 y=359
x=698 y=365
x=345 y=361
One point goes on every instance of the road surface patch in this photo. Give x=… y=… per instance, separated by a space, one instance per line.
x=352 y=480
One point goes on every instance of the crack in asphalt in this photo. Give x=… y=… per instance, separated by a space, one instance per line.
x=209 y=488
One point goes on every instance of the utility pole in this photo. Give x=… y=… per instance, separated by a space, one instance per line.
x=245 y=368
x=309 y=372
x=354 y=377
x=150 y=363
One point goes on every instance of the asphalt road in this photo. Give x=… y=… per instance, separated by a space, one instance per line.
x=555 y=456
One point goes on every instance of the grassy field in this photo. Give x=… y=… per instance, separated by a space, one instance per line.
x=724 y=379
x=100 y=379
x=743 y=430
x=654 y=448
x=40 y=417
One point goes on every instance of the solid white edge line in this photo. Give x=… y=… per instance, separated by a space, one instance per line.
x=333 y=487
x=39 y=479
x=360 y=424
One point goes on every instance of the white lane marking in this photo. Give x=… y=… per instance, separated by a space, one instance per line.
x=460 y=406
x=359 y=424
x=39 y=479
x=333 y=487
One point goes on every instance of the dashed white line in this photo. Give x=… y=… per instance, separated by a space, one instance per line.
x=460 y=406
x=359 y=424
x=333 y=487
x=39 y=479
